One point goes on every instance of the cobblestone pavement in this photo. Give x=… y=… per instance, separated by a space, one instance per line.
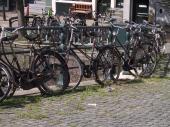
x=140 y=103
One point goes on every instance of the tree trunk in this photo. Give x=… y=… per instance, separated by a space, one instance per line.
x=4 y=15
x=20 y=11
x=21 y=19
x=3 y=10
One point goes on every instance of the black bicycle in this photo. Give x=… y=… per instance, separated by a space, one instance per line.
x=156 y=35
x=100 y=62
x=46 y=69
x=139 y=57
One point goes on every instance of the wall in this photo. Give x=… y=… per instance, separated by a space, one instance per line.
x=127 y=10
x=48 y=3
x=162 y=18
x=6 y=5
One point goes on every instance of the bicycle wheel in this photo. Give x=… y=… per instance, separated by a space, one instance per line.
x=75 y=69
x=146 y=59
x=53 y=68
x=107 y=66
x=5 y=81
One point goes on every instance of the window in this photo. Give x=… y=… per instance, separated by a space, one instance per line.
x=3 y=2
x=160 y=11
x=119 y=3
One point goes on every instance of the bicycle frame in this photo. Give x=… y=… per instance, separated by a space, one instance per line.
x=72 y=47
x=17 y=70
x=127 y=58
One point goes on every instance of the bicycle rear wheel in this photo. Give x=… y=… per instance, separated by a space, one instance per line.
x=5 y=81
x=75 y=69
x=146 y=59
x=107 y=66
x=53 y=68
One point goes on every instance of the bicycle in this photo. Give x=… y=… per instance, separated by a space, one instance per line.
x=156 y=35
x=46 y=69
x=137 y=56
x=101 y=59
x=46 y=20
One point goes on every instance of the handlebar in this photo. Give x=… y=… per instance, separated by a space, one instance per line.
x=111 y=20
x=13 y=35
x=10 y=30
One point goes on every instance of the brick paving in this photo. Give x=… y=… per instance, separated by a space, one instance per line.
x=132 y=104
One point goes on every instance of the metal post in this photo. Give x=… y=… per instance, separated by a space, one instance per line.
x=156 y=3
x=155 y=12
x=97 y=13
x=3 y=10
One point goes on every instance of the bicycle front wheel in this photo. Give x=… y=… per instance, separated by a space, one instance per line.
x=5 y=81
x=107 y=66
x=146 y=59
x=52 y=67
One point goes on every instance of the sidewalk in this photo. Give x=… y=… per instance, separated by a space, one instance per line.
x=143 y=103
x=8 y=16
x=33 y=9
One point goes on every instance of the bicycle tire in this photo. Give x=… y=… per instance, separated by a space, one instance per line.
x=75 y=69
x=147 y=61
x=4 y=92
x=109 y=63
x=42 y=65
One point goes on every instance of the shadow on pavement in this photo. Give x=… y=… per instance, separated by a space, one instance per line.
x=20 y=101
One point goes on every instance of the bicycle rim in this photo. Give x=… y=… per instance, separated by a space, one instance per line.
x=108 y=66
x=5 y=82
x=53 y=67
x=75 y=70
x=146 y=58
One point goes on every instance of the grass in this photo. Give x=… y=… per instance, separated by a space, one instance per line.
x=156 y=79
x=72 y=107
x=75 y=102
x=30 y=105
x=72 y=125
x=31 y=111
x=79 y=95
x=20 y=101
x=1 y=109
x=72 y=102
